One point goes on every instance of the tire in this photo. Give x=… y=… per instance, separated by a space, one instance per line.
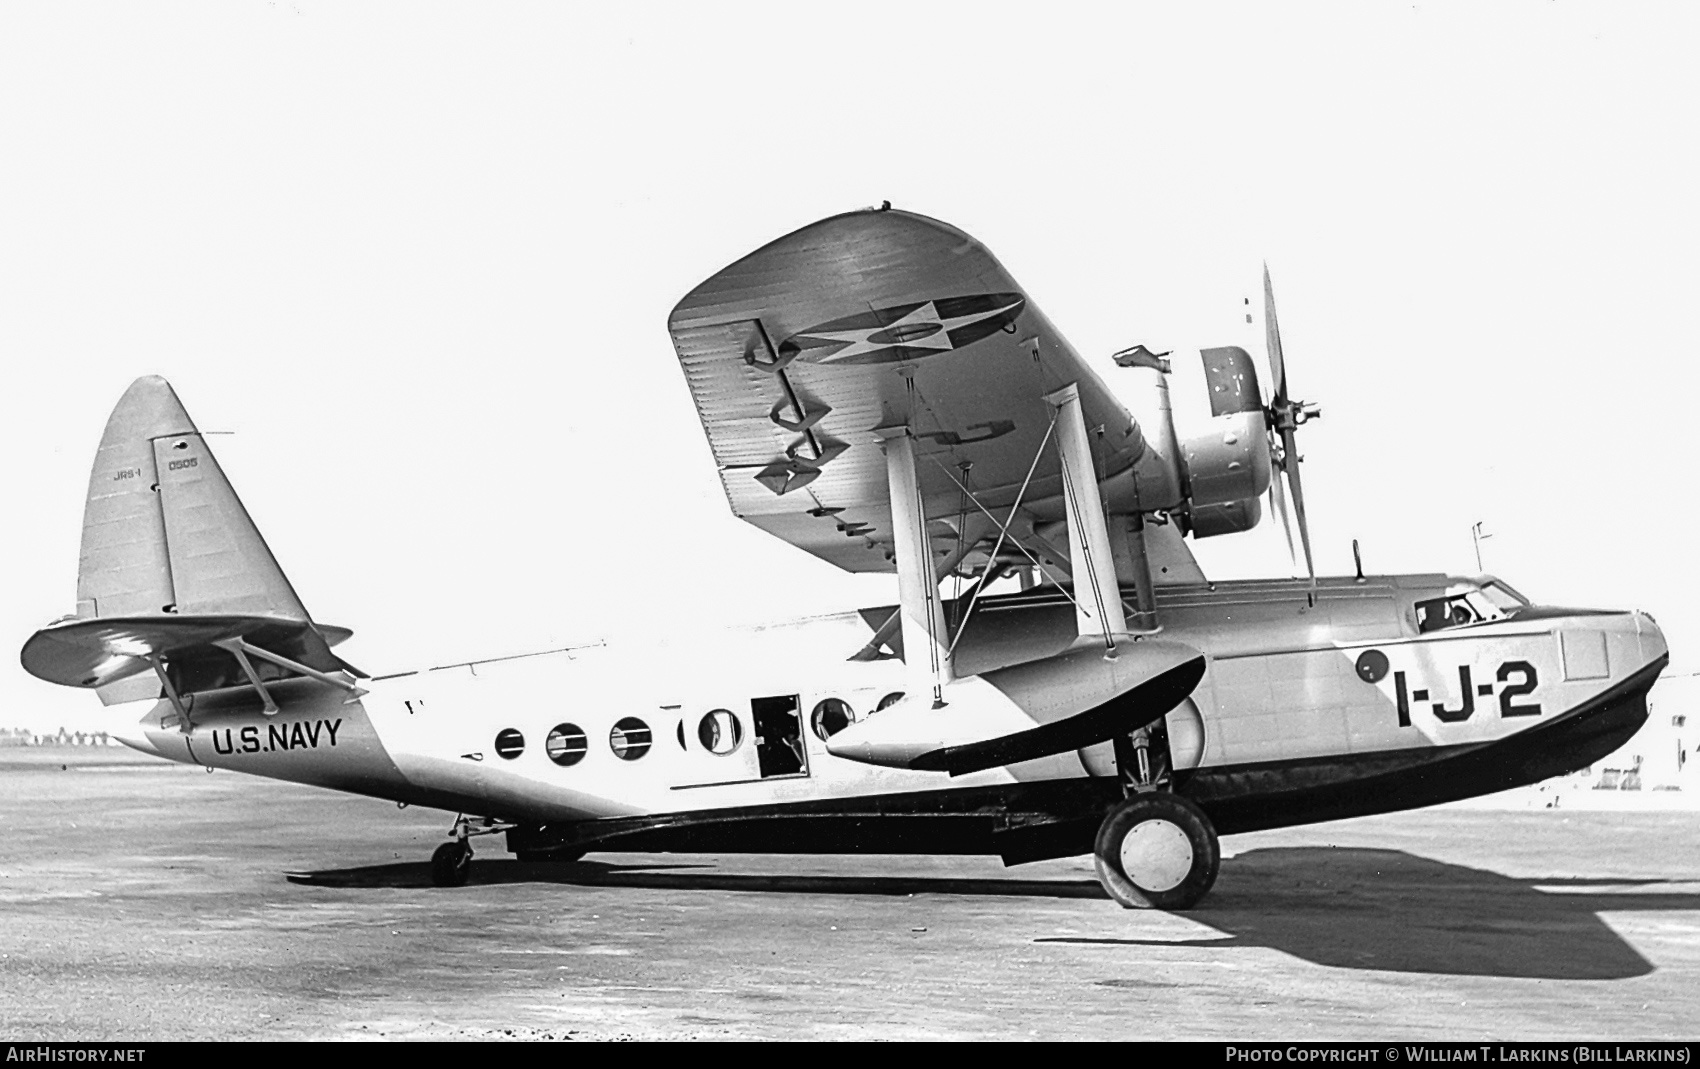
x=451 y=865
x=1169 y=846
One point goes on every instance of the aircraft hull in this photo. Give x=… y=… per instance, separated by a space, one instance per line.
x=1029 y=822
x=1306 y=713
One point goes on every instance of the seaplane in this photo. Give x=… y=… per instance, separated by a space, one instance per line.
x=1056 y=676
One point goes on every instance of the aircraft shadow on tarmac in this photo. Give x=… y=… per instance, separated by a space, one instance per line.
x=1346 y=908
x=694 y=877
x=1394 y=911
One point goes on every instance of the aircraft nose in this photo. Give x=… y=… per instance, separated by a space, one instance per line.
x=1651 y=639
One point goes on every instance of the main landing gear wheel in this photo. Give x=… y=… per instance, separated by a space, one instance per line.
x=1156 y=851
x=451 y=864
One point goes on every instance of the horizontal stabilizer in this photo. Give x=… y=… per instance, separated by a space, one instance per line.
x=1140 y=706
x=175 y=585
x=97 y=652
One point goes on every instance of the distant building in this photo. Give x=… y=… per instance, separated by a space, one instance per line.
x=62 y=737
x=1660 y=756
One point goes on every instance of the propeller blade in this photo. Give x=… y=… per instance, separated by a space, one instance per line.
x=1278 y=499
x=1291 y=467
x=1287 y=415
x=1272 y=334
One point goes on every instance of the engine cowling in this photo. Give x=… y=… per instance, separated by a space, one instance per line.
x=1229 y=517
x=1228 y=461
x=1212 y=478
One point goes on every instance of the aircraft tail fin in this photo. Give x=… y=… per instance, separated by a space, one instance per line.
x=165 y=538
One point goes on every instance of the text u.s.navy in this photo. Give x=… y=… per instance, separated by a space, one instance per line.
x=877 y=391
x=299 y=734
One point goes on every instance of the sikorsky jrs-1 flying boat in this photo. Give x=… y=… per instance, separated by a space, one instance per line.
x=878 y=391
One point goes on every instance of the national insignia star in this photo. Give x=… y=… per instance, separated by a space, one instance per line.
x=909 y=328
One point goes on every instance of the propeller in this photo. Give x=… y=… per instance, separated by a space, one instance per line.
x=1285 y=417
x=1278 y=498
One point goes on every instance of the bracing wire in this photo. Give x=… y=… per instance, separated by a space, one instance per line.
x=1003 y=527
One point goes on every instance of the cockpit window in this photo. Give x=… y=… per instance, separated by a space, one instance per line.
x=1437 y=614
x=1461 y=610
x=1503 y=597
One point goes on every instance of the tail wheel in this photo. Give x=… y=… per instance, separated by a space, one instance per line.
x=451 y=865
x=1157 y=851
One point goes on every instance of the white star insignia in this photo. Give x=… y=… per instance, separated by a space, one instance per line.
x=909 y=332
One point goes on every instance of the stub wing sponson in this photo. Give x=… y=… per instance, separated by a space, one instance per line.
x=1029 y=711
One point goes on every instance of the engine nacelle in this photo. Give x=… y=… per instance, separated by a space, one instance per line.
x=1229 y=461
x=1212 y=478
x=1229 y=518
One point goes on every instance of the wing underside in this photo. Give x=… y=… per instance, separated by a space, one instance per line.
x=799 y=354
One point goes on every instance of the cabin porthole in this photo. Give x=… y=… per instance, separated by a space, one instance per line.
x=1372 y=666
x=566 y=745
x=629 y=739
x=889 y=700
x=509 y=744
x=831 y=716
x=720 y=732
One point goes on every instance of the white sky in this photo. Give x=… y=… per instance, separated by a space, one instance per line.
x=419 y=259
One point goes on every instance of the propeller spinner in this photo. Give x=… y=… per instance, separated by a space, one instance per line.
x=1285 y=417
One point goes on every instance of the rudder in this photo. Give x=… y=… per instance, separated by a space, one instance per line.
x=163 y=531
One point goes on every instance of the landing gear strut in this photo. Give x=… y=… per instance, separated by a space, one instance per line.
x=451 y=863
x=1156 y=849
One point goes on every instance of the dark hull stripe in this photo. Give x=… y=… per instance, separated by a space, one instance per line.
x=1255 y=797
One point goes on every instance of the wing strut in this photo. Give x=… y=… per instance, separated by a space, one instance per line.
x=1099 y=614
x=965 y=546
x=919 y=605
x=1097 y=598
x=237 y=648
x=171 y=692
x=242 y=650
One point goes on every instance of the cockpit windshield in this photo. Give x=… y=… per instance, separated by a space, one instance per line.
x=1491 y=601
x=1507 y=599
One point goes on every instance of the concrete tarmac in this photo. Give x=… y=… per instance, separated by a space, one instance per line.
x=141 y=900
